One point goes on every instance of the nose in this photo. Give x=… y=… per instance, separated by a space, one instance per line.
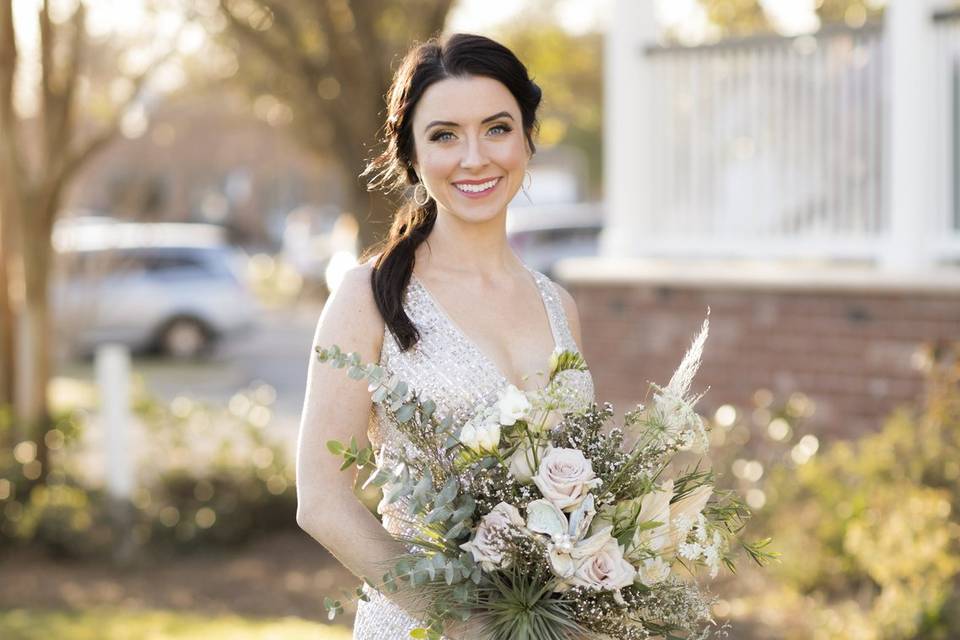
x=474 y=155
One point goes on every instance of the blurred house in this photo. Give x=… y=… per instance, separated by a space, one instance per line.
x=805 y=189
x=206 y=156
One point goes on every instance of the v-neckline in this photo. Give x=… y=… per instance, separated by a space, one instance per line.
x=490 y=362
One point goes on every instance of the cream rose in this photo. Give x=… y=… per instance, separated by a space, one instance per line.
x=513 y=405
x=487 y=546
x=565 y=477
x=605 y=569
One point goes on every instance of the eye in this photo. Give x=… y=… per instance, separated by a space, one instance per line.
x=441 y=136
x=503 y=129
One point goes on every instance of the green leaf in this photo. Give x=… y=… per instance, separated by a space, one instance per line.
x=439 y=514
x=449 y=492
x=467 y=506
x=428 y=407
x=379 y=395
x=419 y=633
x=406 y=412
x=364 y=458
x=356 y=373
x=335 y=447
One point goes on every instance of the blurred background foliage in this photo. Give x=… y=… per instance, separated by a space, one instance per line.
x=868 y=529
x=206 y=475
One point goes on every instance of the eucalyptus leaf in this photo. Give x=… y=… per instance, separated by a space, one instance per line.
x=449 y=492
x=406 y=412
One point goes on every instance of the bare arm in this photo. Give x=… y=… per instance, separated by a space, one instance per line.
x=337 y=407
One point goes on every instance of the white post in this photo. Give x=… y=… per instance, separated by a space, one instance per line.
x=910 y=136
x=627 y=97
x=113 y=379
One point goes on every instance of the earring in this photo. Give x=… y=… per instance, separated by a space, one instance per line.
x=527 y=183
x=416 y=194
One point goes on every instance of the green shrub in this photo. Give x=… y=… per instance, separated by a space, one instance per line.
x=210 y=476
x=869 y=529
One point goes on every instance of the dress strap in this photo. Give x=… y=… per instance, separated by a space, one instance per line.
x=555 y=311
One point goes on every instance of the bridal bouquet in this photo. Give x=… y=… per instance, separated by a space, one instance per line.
x=543 y=520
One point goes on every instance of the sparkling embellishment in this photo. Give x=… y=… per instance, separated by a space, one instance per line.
x=448 y=368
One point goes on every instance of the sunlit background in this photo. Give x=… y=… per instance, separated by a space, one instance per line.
x=178 y=198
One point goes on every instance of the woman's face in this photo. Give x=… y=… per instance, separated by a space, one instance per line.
x=470 y=149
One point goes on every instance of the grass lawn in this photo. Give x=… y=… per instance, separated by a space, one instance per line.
x=117 y=624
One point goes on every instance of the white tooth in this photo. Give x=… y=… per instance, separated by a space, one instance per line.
x=476 y=188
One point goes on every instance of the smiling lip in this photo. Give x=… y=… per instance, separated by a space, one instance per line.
x=474 y=183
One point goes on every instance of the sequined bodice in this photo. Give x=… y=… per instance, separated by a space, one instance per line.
x=447 y=367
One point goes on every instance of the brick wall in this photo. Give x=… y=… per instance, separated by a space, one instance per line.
x=851 y=344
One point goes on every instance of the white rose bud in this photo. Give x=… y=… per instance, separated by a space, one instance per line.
x=481 y=434
x=487 y=546
x=513 y=405
x=521 y=463
x=565 y=477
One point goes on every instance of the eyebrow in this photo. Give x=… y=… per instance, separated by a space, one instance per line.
x=447 y=123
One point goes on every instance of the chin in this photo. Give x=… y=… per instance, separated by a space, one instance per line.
x=477 y=213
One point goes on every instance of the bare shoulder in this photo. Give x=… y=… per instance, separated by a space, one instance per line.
x=573 y=314
x=350 y=318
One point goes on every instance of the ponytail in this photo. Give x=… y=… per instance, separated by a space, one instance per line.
x=394 y=266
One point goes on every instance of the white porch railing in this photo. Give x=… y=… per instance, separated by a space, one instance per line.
x=774 y=147
x=945 y=176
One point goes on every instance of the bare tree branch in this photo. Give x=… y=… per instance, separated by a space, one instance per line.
x=82 y=153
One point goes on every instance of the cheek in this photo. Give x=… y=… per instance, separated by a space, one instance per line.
x=437 y=165
x=512 y=156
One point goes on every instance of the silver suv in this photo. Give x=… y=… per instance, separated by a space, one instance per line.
x=153 y=287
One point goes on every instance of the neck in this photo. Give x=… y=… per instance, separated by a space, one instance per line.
x=478 y=249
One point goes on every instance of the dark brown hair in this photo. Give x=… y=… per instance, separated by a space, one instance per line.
x=460 y=55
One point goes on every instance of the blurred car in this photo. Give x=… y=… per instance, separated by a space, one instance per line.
x=544 y=235
x=177 y=289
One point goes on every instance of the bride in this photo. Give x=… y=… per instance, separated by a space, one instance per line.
x=443 y=303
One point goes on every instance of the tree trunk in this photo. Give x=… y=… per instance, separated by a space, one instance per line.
x=36 y=334
x=7 y=361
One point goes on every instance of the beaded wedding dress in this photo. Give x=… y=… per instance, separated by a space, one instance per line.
x=450 y=369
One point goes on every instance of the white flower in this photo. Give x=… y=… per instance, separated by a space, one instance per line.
x=654 y=507
x=565 y=477
x=685 y=512
x=653 y=570
x=605 y=568
x=567 y=547
x=513 y=405
x=487 y=544
x=522 y=464
x=481 y=433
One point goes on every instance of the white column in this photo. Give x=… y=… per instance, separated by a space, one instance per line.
x=910 y=141
x=627 y=93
